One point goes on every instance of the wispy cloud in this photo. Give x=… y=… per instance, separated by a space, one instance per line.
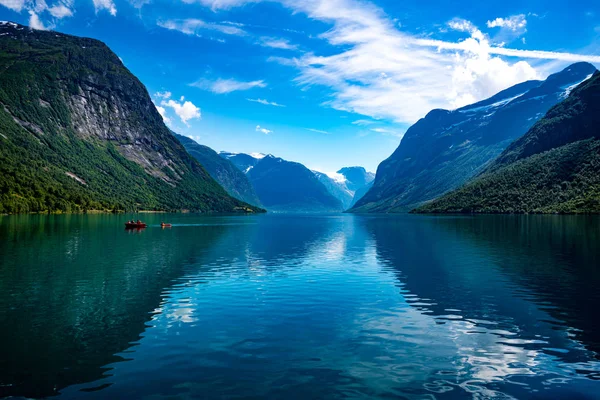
x=60 y=11
x=266 y=102
x=363 y=122
x=35 y=22
x=37 y=9
x=223 y=86
x=263 y=130
x=513 y=23
x=193 y=26
x=377 y=70
x=317 y=131
x=15 y=5
x=277 y=43
x=107 y=5
x=389 y=132
x=163 y=95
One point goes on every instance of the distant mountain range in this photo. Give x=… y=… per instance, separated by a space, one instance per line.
x=286 y=186
x=78 y=131
x=348 y=185
x=553 y=168
x=447 y=148
x=234 y=181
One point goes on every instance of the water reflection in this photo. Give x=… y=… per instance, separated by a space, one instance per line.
x=300 y=307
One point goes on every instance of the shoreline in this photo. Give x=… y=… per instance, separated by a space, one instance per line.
x=97 y=212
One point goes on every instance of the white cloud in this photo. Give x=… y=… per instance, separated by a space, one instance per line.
x=266 y=102
x=513 y=23
x=35 y=22
x=107 y=5
x=223 y=86
x=277 y=43
x=184 y=110
x=193 y=26
x=221 y=4
x=363 y=122
x=163 y=114
x=317 y=131
x=389 y=132
x=35 y=8
x=60 y=11
x=163 y=95
x=15 y=5
x=375 y=69
x=139 y=3
x=263 y=130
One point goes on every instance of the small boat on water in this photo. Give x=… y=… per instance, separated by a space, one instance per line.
x=165 y=225
x=135 y=225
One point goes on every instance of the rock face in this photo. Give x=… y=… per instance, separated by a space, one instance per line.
x=79 y=131
x=285 y=186
x=447 y=148
x=234 y=181
x=553 y=168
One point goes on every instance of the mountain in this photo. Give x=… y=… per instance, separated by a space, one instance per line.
x=360 y=193
x=337 y=188
x=222 y=170
x=284 y=186
x=446 y=148
x=78 y=131
x=242 y=161
x=356 y=177
x=289 y=186
x=349 y=182
x=553 y=168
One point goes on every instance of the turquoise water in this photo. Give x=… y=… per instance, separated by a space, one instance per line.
x=297 y=307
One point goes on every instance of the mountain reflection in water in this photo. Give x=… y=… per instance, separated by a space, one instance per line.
x=299 y=306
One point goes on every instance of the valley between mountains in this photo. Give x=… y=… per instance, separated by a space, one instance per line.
x=79 y=132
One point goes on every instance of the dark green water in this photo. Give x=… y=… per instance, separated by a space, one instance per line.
x=298 y=307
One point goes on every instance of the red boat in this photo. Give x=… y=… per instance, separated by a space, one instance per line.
x=135 y=225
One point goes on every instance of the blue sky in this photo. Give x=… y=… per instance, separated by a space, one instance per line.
x=329 y=83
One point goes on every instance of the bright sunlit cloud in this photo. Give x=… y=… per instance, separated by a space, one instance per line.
x=382 y=72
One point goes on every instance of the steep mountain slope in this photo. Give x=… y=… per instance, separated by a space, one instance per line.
x=555 y=167
x=78 y=131
x=242 y=161
x=286 y=186
x=222 y=170
x=360 y=193
x=446 y=148
x=337 y=188
x=349 y=182
x=356 y=177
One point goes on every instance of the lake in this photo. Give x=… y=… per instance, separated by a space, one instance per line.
x=300 y=306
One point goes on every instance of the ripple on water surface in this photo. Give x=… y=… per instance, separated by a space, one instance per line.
x=300 y=307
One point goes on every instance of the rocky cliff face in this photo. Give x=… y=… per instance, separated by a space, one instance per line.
x=70 y=107
x=446 y=148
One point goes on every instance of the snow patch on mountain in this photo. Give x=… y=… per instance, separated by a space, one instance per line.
x=569 y=88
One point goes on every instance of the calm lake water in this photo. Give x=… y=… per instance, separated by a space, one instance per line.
x=299 y=307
